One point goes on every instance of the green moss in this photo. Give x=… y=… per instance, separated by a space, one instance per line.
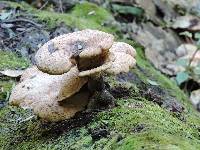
x=81 y=18
x=132 y=125
x=53 y=19
x=5 y=87
x=95 y=21
x=163 y=141
x=9 y=60
x=146 y=125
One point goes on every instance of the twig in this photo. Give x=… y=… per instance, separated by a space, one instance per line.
x=44 y=5
x=189 y=40
x=28 y=119
x=194 y=54
x=61 y=6
x=7 y=39
x=22 y=20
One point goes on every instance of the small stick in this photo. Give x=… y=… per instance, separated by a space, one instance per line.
x=16 y=35
x=44 y=5
x=61 y=6
x=22 y=20
x=194 y=54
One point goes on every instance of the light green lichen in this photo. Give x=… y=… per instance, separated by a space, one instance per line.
x=82 y=16
x=5 y=88
x=9 y=60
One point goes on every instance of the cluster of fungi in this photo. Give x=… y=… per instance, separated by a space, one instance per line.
x=52 y=87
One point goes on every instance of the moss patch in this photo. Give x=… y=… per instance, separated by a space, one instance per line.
x=145 y=125
x=82 y=16
x=9 y=60
x=5 y=87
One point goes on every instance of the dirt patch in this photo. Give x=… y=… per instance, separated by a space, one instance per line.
x=152 y=93
x=160 y=97
x=120 y=92
x=128 y=77
x=81 y=119
x=99 y=133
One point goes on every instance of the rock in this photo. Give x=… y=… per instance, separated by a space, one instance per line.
x=195 y=98
x=185 y=52
x=160 y=44
x=30 y=42
x=190 y=23
x=60 y=30
x=188 y=5
x=157 y=10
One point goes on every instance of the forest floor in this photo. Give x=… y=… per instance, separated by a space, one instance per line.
x=152 y=112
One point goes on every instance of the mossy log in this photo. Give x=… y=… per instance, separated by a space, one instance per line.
x=151 y=112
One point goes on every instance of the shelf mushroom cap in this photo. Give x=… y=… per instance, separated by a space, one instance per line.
x=121 y=62
x=39 y=85
x=122 y=56
x=50 y=110
x=58 y=55
x=43 y=93
x=123 y=48
x=95 y=71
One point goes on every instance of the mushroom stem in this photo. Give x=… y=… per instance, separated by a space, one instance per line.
x=101 y=98
x=96 y=83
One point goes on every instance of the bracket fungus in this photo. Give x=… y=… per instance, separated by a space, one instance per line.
x=59 y=84
x=83 y=48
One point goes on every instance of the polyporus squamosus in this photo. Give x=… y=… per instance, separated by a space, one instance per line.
x=86 y=49
x=120 y=58
x=43 y=92
x=53 y=88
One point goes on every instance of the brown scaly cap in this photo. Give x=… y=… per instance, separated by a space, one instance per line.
x=51 y=110
x=96 y=70
x=43 y=92
x=123 y=48
x=122 y=57
x=58 y=55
